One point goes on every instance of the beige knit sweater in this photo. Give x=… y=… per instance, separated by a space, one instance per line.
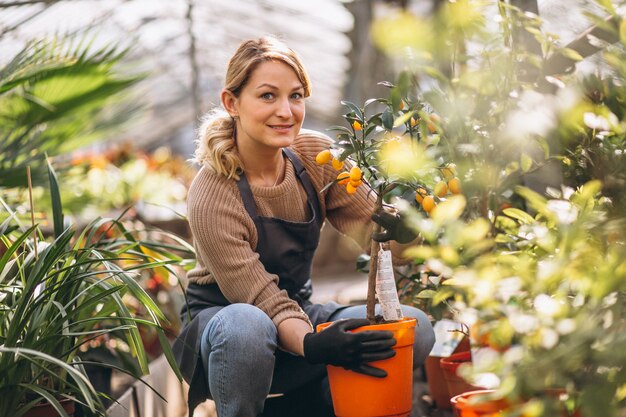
x=225 y=236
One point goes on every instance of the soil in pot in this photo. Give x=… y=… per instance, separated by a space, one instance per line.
x=358 y=395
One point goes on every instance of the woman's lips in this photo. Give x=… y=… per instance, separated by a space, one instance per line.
x=281 y=128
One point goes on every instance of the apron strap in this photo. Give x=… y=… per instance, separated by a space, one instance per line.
x=246 y=195
x=305 y=179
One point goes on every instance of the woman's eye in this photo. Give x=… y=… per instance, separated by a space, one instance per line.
x=267 y=96
x=296 y=96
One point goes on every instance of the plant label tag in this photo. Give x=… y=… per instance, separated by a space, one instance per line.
x=386 y=287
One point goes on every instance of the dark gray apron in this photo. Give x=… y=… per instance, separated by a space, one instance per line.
x=286 y=249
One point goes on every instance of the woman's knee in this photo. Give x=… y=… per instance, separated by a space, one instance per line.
x=424 y=333
x=242 y=324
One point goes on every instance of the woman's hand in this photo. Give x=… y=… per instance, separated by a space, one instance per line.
x=395 y=228
x=335 y=345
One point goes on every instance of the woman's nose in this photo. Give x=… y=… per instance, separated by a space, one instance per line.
x=284 y=108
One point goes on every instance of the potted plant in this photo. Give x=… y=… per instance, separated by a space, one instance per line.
x=382 y=150
x=62 y=292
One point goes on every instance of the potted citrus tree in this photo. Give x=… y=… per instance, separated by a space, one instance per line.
x=392 y=152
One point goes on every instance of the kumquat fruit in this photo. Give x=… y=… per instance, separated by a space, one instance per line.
x=357 y=126
x=441 y=189
x=449 y=171
x=428 y=203
x=454 y=185
x=355 y=174
x=420 y=193
x=323 y=157
x=343 y=178
x=337 y=164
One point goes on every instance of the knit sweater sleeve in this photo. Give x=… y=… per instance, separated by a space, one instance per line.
x=349 y=214
x=225 y=237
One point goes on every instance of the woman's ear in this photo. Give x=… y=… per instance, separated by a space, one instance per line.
x=229 y=101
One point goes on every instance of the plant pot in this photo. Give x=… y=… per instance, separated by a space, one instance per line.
x=47 y=410
x=358 y=395
x=450 y=365
x=465 y=405
x=437 y=384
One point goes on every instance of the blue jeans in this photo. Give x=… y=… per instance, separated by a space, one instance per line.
x=239 y=353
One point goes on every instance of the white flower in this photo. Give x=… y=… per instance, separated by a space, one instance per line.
x=593 y=121
x=566 y=326
x=546 y=268
x=513 y=355
x=487 y=380
x=523 y=323
x=566 y=212
x=546 y=305
x=508 y=287
x=549 y=338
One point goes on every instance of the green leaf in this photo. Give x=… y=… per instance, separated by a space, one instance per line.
x=419 y=252
x=169 y=355
x=622 y=31
x=526 y=162
x=50 y=399
x=449 y=210
x=607 y=5
x=403 y=118
x=518 y=214
x=55 y=196
x=571 y=54
x=357 y=111
x=387 y=119
x=376 y=100
x=426 y=294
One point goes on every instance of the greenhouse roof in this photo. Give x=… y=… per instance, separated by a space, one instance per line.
x=160 y=37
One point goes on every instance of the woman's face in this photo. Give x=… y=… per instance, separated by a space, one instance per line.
x=270 y=107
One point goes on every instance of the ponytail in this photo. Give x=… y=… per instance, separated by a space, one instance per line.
x=216 y=148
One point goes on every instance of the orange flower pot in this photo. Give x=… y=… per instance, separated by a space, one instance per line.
x=468 y=405
x=465 y=405
x=358 y=395
x=437 y=384
x=450 y=365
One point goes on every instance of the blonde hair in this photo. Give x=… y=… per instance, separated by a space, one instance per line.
x=216 y=147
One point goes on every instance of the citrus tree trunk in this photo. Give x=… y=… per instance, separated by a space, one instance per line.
x=371 y=278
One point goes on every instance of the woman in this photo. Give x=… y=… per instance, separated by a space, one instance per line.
x=255 y=211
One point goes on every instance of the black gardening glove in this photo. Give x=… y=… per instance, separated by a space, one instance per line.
x=336 y=346
x=395 y=228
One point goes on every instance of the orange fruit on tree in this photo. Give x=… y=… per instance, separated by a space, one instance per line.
x=428 y=203
x=323 y=157
x=401 y=105
x=413 y=122
x=356 y=125
x=343 y=178
x=420 y=193
x=454 y=185
x=351 y=189
x=337 y=164
x=355 y=174
x=449 y=171
x=433 y=122
x=441 y=189
x=356 y=183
